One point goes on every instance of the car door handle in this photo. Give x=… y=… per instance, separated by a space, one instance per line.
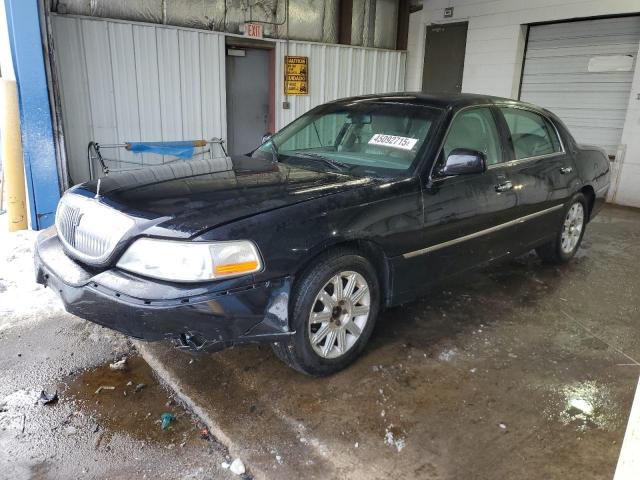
x=565 y=170
x=504 y=187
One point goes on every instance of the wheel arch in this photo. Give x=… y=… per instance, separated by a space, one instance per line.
x=589 y=192
x=369 y=249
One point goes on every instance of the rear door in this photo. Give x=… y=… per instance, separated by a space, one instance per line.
x=466 y=217
x=541 y=170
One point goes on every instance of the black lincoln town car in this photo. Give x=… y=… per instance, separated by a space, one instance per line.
x=358 y=205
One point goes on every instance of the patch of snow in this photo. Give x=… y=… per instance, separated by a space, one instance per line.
x=237 y=467
x=22 y=300
x=581 y=404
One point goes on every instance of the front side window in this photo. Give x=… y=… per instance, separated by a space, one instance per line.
x=474 y=129
x=361 y=138
x=532 y=135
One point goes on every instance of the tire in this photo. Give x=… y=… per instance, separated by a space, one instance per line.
x=568 y=239
x=337 y=322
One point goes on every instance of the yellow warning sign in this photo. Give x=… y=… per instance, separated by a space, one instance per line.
x=296 y=75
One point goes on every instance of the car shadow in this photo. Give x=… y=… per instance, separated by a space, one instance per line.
x=473 y=300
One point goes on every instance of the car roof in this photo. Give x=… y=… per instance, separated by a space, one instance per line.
x=441 y=100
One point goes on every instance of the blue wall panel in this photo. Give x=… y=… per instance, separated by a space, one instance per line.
x=35 y=113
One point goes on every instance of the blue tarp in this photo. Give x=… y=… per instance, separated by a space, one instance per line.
x=183 y=149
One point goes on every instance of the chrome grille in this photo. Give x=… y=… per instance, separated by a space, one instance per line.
x=67 y=220
x=89 y=229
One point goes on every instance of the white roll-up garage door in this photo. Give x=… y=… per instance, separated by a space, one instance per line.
x=582 y=71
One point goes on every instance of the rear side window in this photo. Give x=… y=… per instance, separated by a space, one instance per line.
x=532 y=135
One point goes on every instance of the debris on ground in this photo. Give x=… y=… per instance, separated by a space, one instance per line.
x=447 y=355
x=585 y=405
x=47 y=398
x=166 y=419
x=119 y=365
x=398 y=442
x=205 y=434
x=503 y=426
x=139 y=387
x=237 y=467
x=225 y=465
x=104 y=387
x=98 y=440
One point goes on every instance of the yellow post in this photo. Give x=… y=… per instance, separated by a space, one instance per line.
x=13 y=163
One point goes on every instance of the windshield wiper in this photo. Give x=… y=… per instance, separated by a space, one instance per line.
x=335 y=164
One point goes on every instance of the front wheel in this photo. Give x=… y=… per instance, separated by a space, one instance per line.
x=570 y=233
x=334 y=307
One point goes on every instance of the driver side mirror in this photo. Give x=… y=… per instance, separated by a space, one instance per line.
x=464 y=161
x=266 y=137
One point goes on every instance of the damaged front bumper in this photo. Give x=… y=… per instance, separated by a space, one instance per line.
x=207 y=317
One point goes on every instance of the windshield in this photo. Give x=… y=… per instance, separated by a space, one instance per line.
x=361 y=138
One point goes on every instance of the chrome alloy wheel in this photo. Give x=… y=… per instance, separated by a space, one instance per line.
x=339 y=314
x=572 y=228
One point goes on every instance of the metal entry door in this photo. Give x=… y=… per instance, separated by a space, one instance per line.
x=247 y=98
x=444 y=58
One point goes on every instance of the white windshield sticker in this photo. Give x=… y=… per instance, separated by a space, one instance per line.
x=405 y=143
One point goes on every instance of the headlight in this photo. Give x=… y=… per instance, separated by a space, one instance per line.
x=190 y=261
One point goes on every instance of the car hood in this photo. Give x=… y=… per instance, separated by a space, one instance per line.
x=188 y=198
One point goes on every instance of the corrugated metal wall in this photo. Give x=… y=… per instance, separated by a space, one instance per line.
x=561 y=73
x=337 y=71
x=127 y=82
x=124 y=81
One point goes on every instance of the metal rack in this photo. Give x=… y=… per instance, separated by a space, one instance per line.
x=94 y=154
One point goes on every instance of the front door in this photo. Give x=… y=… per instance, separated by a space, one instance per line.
x=467 y=218
x=247 y=98
x=444 y=58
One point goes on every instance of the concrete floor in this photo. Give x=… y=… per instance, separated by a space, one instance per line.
x=521 y=371
x=84 y=435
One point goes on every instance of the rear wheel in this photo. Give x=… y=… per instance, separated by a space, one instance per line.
x=569 y=236
x=334 y=309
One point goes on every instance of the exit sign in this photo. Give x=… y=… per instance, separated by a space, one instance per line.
x=253 y=30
